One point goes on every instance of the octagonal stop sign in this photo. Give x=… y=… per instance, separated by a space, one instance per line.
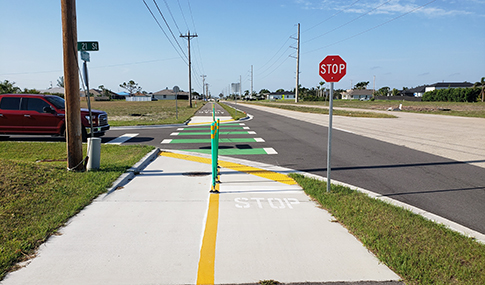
x=333 y=68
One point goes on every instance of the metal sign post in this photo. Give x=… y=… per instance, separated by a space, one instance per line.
x=83 y=47
x=85 y=58
x=176 y=89
x=329 y=143
x=331 y=69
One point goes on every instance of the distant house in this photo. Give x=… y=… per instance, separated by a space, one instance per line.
x=169 y=94
x=414 y=92
x=358 y=94
x=53 y=90
x=99 y=95
x=280 y=95
x=446 y=85
x=420 y=90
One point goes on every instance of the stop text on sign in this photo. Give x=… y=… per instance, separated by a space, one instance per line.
x=332 y=68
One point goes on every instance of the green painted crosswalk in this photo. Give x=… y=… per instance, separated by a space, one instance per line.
x=237 y=134
x=205 y=133
x=208 y=128
x=223 y=140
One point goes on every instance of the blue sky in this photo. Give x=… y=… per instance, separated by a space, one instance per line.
x=399 y=42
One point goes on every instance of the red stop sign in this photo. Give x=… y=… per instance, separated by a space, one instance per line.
x=333 y=68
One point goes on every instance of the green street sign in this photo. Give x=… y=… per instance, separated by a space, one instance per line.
x=87 y=46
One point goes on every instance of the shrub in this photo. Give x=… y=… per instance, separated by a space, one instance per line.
x=453 y=95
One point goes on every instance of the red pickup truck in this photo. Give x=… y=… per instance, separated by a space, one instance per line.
x=36 y=114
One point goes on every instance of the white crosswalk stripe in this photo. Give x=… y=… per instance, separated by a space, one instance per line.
x=121 y=139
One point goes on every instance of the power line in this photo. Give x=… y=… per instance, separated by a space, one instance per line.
x=161 y=14
x=173 y=19
x=274 y=69
x=160 y=26
x=183 y=15
x=353 y=20
x=375 y=27
x=331 y=16
x=284 y=44
x=192 y=16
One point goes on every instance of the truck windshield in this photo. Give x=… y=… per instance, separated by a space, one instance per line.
x=56 y=101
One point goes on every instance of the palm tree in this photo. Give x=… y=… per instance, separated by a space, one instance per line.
x=8 y=87
x=481 y=84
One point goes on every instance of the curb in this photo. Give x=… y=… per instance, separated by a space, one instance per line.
x=130 y=173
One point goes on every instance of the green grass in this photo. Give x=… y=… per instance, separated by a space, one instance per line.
x=162 y=112
x=420 y=251
x=36 y=198
x=235 y=114
x=317 y=110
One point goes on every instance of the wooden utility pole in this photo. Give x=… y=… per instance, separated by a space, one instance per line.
x=189 y=37
x=71 y=87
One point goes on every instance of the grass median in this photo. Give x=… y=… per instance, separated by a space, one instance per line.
x=462 y=109
x=162 y=112
x=319 y=110
x=419 y=250
x=38 y=195
x=235 y=114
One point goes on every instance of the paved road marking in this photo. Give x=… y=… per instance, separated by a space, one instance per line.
x=205 y=133
x=237 y=151
x=275 y=176
x=234 y=127
x=207 y=259
x=121 y=139
x=273 y=203
x=270 y=150
x=223 y=140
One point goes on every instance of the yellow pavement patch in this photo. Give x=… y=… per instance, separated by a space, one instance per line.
x=275 y=176
x=208 y=123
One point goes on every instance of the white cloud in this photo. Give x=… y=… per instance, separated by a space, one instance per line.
x=396 y=7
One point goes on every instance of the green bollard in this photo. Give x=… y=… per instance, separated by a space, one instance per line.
x=214 y=157
x=217 y=148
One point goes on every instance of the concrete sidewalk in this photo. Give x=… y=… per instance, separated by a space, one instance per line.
x=164 y=227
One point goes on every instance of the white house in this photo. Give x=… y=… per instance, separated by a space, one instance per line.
x=169 y=94
x=358 y=94
x=446 y=85
x=281 y=95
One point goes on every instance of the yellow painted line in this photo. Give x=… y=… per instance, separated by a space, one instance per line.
x=206 y=266
x=208 y=123
x=207 y=259
x=186 y=157
x=275 y=176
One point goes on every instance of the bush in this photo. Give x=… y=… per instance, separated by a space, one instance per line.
x=453 y=95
